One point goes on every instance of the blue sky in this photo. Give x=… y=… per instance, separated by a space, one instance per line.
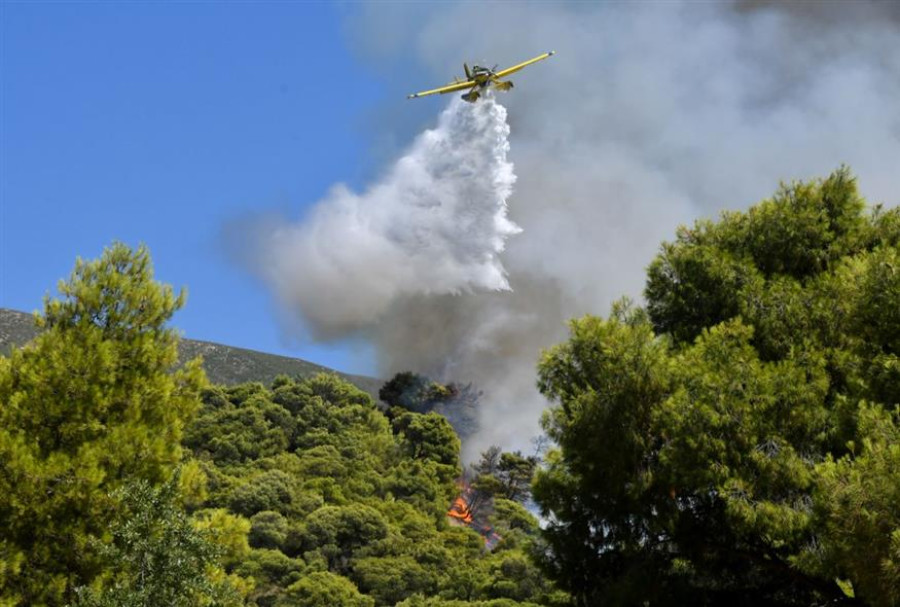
x=162 y=122
x=165 y=122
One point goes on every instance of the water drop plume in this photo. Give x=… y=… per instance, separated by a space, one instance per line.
x=434 y=224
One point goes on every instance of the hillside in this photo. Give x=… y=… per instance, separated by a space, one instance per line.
x=224 y=365
x=125 y=483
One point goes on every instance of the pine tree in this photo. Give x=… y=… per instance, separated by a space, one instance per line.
x=94 y=402
x=736 y=443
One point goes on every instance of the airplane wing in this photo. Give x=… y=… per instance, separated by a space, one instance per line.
x=456 y=86
x=516 y=68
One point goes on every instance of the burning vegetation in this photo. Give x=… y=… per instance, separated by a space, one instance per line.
x=459 y=511
x=505 y=476
x=472 y=509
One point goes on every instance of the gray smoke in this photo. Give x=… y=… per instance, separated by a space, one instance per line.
x=651 y=115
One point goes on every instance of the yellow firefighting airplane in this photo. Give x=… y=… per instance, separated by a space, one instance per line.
x=480 y=78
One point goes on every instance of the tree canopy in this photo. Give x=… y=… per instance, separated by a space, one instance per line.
x=349 y=504
x=93 y=403
x=737 y=439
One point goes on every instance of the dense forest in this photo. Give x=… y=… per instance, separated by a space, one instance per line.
x=126 y=482
x=735 y=439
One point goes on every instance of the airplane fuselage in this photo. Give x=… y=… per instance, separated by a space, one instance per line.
x=485 y=79
x=479 y=79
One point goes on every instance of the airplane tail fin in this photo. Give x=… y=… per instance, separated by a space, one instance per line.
x=468 y=74
x=471 y=96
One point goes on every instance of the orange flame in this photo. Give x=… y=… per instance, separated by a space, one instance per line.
x=460 y=510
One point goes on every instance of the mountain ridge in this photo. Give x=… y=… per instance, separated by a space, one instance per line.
x=227 y=365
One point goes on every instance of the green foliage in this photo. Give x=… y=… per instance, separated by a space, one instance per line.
x=692 y=284
x=429 y=437
x=712 y=272
x=859 y=503
x=158 y=558
x=354 y=507
x=268 y=491
x=514 y=577
x=408 y=391
x=391 y=579
x=337 y=532
x=421 y=601
x=323 y=589
x=505 y=475
x=510 y=516
x=737 y=442
x=271 y=571
x=90 y=405
x=268 y=530
x=228 y=531
x=607 y=377
x=234 y=427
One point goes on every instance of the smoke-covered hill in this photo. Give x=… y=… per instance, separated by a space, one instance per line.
x=225 y=365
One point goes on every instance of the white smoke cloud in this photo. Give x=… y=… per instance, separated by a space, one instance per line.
x=434 y=224
x=651 y=115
